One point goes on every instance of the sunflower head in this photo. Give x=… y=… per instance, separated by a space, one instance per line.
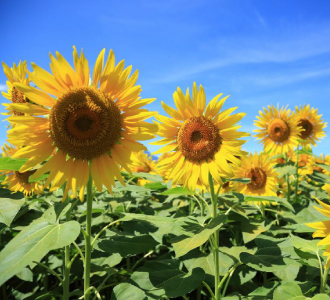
x=278 y=130
x=200 y=139
x=311 y=123
x=312 y=164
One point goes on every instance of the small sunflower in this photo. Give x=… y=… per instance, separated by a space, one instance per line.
x=17 y=181
x=312 y=164
x=303 y=160
x=260 y=170
x=97 y=124
x=312 y=125
x=323 y=230
x=142 y=162
x=201 y=140
x=15 y=74
x=279 y=130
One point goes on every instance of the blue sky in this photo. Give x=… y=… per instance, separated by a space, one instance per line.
x=259 y=52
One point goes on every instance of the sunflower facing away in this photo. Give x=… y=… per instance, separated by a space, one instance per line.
x=260 y=170
x=17 y=181
x=15 y=74
x=312 y=125
x=323 y=230
x=98 y=123
x=279 y=130
x=142 y=162
x=200 y=140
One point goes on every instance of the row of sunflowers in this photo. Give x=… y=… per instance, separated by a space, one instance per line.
x=71 y=134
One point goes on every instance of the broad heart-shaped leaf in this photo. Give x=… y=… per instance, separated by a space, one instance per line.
x=34 y=242
x=288 y=290
x=165 y=278
x=250 y=230
x=125 y=291
x=193 y=235
x=11 y=164
x=127 y=245
x=8 y=209
x=304 y=245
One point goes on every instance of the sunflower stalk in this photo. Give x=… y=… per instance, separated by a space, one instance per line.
x=324 y=280
x=288 y=180
x=87 y=235
x=297 y=178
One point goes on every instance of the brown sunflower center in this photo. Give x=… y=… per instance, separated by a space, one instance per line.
x=17 y=97
x=303 y=160
x=258 y=178
x=278 y=130
x=23 y=178
x=145 y=169
x=307 y=128
x=85 y=123
x=198 y=139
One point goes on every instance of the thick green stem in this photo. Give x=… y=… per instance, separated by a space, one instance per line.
x=297 y=178
x=215 y=239
x=324 y=280
x=88 y=246
x=288 y=180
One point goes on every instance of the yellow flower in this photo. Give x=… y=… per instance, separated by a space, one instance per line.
x=98 y=123
x=323 y=230
x=303 y=162
x=260 y=170
x=15 y=74
x=312 y=124
x=164 y=172
x=279 y=130
x=200 y=140
x=312 y=164
x=17 y=181
x=142 y=162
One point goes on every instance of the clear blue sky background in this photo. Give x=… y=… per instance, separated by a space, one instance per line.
x=259 y=52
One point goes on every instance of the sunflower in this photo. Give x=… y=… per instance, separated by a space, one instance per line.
x=260 y=170
x=323 y=230
x=303 y=160
x=142 y=162
x=94 y=126
x=201 y=140
x=164 y=172
x=312 y=164
x=279 y=130
x=312 y=124
x=15 y=74
x=17 y=181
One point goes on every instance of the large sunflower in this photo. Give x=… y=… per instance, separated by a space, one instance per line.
x=15 y=74
x=201 y=140
x=311 y=123
x=98 y=123
x=323 y=230
x=19 y=181
x=279 y=130
x=260 y=170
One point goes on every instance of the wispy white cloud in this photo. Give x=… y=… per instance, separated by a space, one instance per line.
x=3 y=87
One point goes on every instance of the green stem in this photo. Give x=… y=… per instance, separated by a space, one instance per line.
x=230 y=274
x=216 y=240
x=67 y=266
x=288 y=180
x=297 y=178
x=324 y=280
x=209 y=289
x=88 y=233
x=49 y=270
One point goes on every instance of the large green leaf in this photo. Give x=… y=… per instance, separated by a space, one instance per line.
x=288 y=290
x=8 y=209
x=34 y=242
x=11 y=164
x=194 y=235
x=127 y=245
x=304 y=245
x=125 y=291
x=165 y=278
x=272 y=199
x=178 y=191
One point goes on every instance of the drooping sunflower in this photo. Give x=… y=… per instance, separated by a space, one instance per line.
x=260 y=169
x=323 y=230
x=142 y=162
x=97 y=124
x=311 y=123
x=19 y=181
x=279 y=130
x=18 y=73
x=201 y=140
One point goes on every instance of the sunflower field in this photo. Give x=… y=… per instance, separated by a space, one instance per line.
x=86 y=212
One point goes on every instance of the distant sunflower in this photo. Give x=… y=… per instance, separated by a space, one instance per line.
x=260 y=170
x=98 y=123
x=164 y=172
x=312 y=125
x=312 y=164
x=279 y=130
x=201 y=140
x=323 y=230
x=15 y=74
x=142 y=162
x=303 y=160
x=17 y=181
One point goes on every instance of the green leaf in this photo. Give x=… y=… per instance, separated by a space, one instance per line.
x=11 y=164
x=127 y=245
x=155 y=186
x=250 y=230
x=325 y=167
x=148 y=176
x=34 y=242
x=304 y=245
x=242 y=180
x=288 y=290
x=125 y=291
x=25 y=275
x=273 y=199
x=321 y=297
x=8 y=209
x=194 y=235
x=178 y=191
x=164 y=277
